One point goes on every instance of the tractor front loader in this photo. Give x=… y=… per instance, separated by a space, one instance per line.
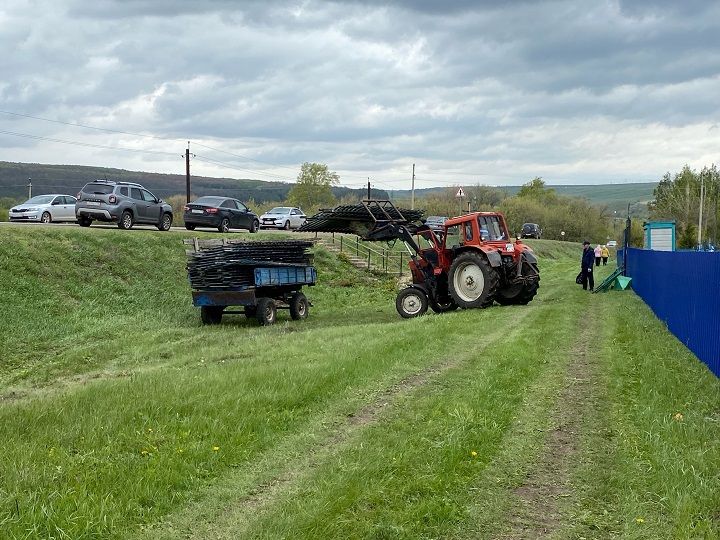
x=471 y=263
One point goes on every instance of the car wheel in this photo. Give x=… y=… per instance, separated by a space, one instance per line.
x=165 y=222
x=266 y=312
x=298 y=306
x=189 y=227
x=255 y=226
x=287 y=225
x=46 y=217
x=84 y=222
x=224 y=225
x=126 y=220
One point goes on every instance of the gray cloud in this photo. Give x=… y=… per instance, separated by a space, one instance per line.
x=368 y=86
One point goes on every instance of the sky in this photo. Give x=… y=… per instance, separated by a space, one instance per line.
x=471 y=92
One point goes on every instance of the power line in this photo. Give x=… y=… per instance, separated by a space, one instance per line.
x=74 y=124
x=88 y=145
x=231 y=166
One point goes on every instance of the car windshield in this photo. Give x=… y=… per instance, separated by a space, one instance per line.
x=210 y=201
x=280 y=210
x=40 y=199
x=98 y=189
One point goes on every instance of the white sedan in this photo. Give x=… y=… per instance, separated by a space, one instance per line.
x=282 y=217
x=45 y=209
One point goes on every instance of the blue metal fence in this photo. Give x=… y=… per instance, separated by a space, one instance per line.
x=683 y=289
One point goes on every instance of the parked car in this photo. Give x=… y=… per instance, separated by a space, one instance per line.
x=282 y=217
x=612 y=243
x=530 y=230
x=436 y=223
x=124 y=203
x=45 y=209
x=221 y=213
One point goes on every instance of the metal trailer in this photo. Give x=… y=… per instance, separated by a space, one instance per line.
x=275 y=287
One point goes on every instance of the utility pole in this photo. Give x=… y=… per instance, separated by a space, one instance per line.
x=412 y=196
x=187 y=172
x=29 y=186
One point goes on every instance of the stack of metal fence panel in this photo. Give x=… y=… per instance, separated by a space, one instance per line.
x=223 y=265
x=357 y=219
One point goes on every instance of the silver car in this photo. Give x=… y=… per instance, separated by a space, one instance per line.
x=282 y=217
x=45 y=209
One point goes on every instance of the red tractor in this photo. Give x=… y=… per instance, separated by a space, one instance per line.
x=469 y=264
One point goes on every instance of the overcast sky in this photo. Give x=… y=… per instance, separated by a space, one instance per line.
x=471 y=91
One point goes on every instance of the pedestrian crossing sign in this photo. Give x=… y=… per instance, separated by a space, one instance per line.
x=460 y=193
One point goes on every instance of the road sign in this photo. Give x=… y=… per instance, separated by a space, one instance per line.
x=460 y=193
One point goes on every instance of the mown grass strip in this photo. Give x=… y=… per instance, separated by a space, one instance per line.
x=409 y=475
x=651 y=463
x=236 y=497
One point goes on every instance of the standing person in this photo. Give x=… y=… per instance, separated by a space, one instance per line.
x=598 y=255
x=605 y=255
x=586 y=266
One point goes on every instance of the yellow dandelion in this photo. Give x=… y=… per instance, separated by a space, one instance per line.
x=640 y=520
x=180 y=450
x=473 y=453
x=150 y=430
x=678 y=417
x=216 y=448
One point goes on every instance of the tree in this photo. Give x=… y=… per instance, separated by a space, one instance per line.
x=678 y=198
x=535 y=189
x=314 y=186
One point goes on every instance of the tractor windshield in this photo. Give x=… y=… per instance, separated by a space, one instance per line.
x=490 y=228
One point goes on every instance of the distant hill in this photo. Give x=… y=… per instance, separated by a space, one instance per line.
x=71 y=178
x=615 y=196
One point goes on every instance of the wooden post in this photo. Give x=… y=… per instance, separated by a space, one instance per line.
x=357 y=246
x=341 y=243
x=401 y=264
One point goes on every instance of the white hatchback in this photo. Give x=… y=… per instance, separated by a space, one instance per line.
x=45 y=209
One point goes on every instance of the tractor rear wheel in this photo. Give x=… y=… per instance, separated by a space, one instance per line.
x=411 y=302
x=472 y=281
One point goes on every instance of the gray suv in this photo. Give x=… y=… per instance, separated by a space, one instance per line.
x=124 y=203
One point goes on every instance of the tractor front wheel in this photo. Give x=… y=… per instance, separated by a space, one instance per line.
x=472 y=281
x=411 y=302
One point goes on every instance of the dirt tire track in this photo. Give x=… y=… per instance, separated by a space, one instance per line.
x=538 y=512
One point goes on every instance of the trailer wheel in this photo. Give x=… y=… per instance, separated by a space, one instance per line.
x=472 y=281
x=211 y=314
x=298 y=306
x=411 y=302
x=266 y=311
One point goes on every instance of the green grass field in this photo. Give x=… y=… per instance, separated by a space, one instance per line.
x=577 y=416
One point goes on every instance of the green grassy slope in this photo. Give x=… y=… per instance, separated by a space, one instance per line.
x=123 y=417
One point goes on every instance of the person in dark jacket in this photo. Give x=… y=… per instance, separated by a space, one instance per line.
x=586 y=266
